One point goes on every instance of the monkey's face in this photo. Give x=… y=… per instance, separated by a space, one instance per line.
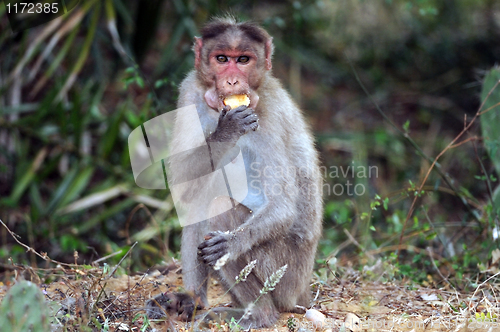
x=231 y=64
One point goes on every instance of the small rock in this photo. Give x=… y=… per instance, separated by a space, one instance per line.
x=352 y=322
x=316 y=317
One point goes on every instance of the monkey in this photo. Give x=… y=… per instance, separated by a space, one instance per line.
x=279 y=221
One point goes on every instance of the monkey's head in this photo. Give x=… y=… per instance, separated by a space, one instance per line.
x=232 y=58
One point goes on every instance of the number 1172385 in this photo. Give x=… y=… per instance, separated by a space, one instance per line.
x=32 y=8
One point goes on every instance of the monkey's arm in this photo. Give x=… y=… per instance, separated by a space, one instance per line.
x=194 y=155
x=191 y=163
x=271 y=221
x=275 y=216
x=232 y=124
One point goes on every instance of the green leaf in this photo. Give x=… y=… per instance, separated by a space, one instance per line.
x=88 y=225
x=386 y=203
x=130 y=70
x=83 y=54
x=406 y=126
x=431 y=236
x=57 y=196
x=77 y=186
x=110 y=137
x=140 y=82
x=37 y=204
x=490 y=121
x=160 y=83
x=27 y=178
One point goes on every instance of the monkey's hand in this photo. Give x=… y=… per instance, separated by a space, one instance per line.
x=234 y=123
x=214 y=251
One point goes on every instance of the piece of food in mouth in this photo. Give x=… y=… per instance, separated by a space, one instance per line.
x=236 y=101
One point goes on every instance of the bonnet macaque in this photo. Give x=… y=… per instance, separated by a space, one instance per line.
x=241 y=105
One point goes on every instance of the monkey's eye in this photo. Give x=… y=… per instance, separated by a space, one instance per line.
x=221 y=58
x=243 y=59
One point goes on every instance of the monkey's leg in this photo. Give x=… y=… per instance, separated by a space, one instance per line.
x=254 y=309
x=194 y=273
x=293 y=288
x=263 y=313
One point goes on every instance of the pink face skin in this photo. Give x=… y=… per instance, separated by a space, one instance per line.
x=233 y=72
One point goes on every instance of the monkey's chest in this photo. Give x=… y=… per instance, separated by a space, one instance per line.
x=255 y=165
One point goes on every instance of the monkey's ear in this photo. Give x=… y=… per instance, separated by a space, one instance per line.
x=198 y=44
x=269 y=53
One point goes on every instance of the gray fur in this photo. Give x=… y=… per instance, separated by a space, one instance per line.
x=274 y=227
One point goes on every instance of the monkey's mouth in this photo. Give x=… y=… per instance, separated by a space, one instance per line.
x=217 y=101
x=235 y=101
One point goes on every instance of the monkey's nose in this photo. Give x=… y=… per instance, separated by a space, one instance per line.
x=232 y=82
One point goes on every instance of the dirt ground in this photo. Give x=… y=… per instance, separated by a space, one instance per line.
x=82 y=296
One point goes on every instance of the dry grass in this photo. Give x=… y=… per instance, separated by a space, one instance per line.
x=89 y=297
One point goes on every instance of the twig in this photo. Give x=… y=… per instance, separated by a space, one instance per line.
x=481 y=285
x=488 y=185
x=489 y=108
x=317 y=294
x=106 y=257
x=132 y=213
x=429 y=250
x=438 y=235
x=407 y=137
x=466 y=128
x=407 y=247
x=399 y=195
x=121 y=260
x=470 y=139
x=43 y=255
x=486 y=179
x=370 y=256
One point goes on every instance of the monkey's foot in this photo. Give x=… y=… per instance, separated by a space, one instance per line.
x=175 y=305
x=257 y=318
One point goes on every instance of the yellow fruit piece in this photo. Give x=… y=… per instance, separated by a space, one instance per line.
x=237 y=100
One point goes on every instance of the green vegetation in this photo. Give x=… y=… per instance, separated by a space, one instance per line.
x=490 y=130
x=24 y=309
x=72 y=91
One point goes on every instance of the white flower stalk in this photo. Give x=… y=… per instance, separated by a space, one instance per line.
x=245 y=272
x=273 y=280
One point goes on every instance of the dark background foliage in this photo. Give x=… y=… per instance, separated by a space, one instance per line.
x=71 y=95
